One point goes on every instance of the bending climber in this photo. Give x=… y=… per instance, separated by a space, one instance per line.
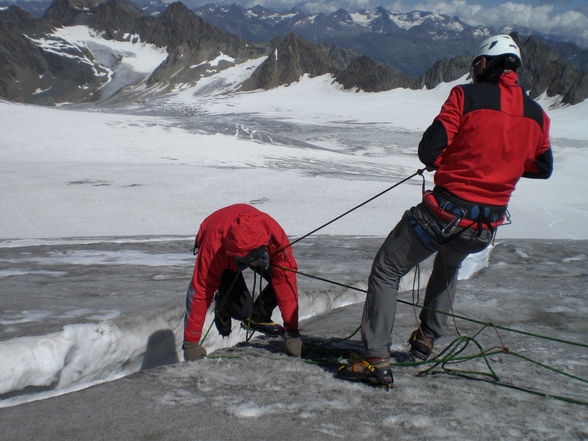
x=229 y=241
x=487 y=136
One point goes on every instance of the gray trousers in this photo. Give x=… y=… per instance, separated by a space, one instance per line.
x=402 y=250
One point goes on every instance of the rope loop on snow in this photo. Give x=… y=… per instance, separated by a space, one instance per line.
x=452 y=354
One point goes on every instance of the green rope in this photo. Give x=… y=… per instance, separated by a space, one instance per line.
x=206 y=335
x=458 y=316
x=545 y=366
x=451 y=354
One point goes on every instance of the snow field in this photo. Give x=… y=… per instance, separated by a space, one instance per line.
x=86 y=174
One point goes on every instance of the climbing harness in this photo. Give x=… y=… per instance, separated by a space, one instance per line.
x=460 y=213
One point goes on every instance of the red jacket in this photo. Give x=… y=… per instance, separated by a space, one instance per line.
x=486 y=137
x=235 y=231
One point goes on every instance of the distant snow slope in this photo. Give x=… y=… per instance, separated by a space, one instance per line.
x=303 y=153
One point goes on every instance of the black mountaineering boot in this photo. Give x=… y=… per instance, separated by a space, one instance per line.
x=375 y=371
x=421 y=345
x=222 y=321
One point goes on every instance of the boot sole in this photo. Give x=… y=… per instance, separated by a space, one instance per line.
x=270 y=331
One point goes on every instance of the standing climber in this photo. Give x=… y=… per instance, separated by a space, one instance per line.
x=487 y=136
x=229 y=241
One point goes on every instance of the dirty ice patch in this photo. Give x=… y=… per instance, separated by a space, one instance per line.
x=28 y=316
x=129 y=257
x=578 y=258
x=20 y=243
x=100 y=315
x=252 y=410
x=12 y=273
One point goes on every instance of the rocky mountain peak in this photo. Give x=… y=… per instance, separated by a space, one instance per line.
x=383 y=23
x=370 y=76
x=260 y=11
x=69 y=12
x=17 y=18
x=291 y=57
x=61 y=12
x=85 y=4
x=182 y=26
x=343 y=16
x=544 y=71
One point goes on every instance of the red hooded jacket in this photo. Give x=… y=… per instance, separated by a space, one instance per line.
x=235 y=231
x=486 y=137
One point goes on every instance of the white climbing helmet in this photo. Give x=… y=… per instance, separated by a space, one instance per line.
x=499 y=45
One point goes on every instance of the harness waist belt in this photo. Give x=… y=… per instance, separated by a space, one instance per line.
x=449 y=208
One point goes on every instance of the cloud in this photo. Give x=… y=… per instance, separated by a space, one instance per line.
x=311 y=6
x=543 y=17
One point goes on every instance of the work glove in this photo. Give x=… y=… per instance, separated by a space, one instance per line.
x=293 y=343
x=193 y=351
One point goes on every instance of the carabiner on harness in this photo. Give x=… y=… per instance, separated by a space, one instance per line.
x=448 y=229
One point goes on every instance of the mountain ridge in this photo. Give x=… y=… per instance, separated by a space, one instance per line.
x=386 y=36
x=38 y=64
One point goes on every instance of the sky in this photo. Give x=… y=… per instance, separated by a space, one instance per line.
x=566 y=17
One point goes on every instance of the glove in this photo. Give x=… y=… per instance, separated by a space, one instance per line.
x=293 y=343
x=193 y=351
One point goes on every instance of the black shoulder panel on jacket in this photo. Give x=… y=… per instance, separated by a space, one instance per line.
x=480 y=96
x=432 y=144
x=533 y=110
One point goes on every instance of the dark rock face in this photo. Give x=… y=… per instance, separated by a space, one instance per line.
x=445 y=71
x=29 y=74
x=544 y=71
x=383 y=23
x=21 y=62
x=34 y=71
x=370 y=76
x=291 y=57
x=191 y=41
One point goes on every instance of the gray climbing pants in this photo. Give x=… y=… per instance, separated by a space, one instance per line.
x=417 y=236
